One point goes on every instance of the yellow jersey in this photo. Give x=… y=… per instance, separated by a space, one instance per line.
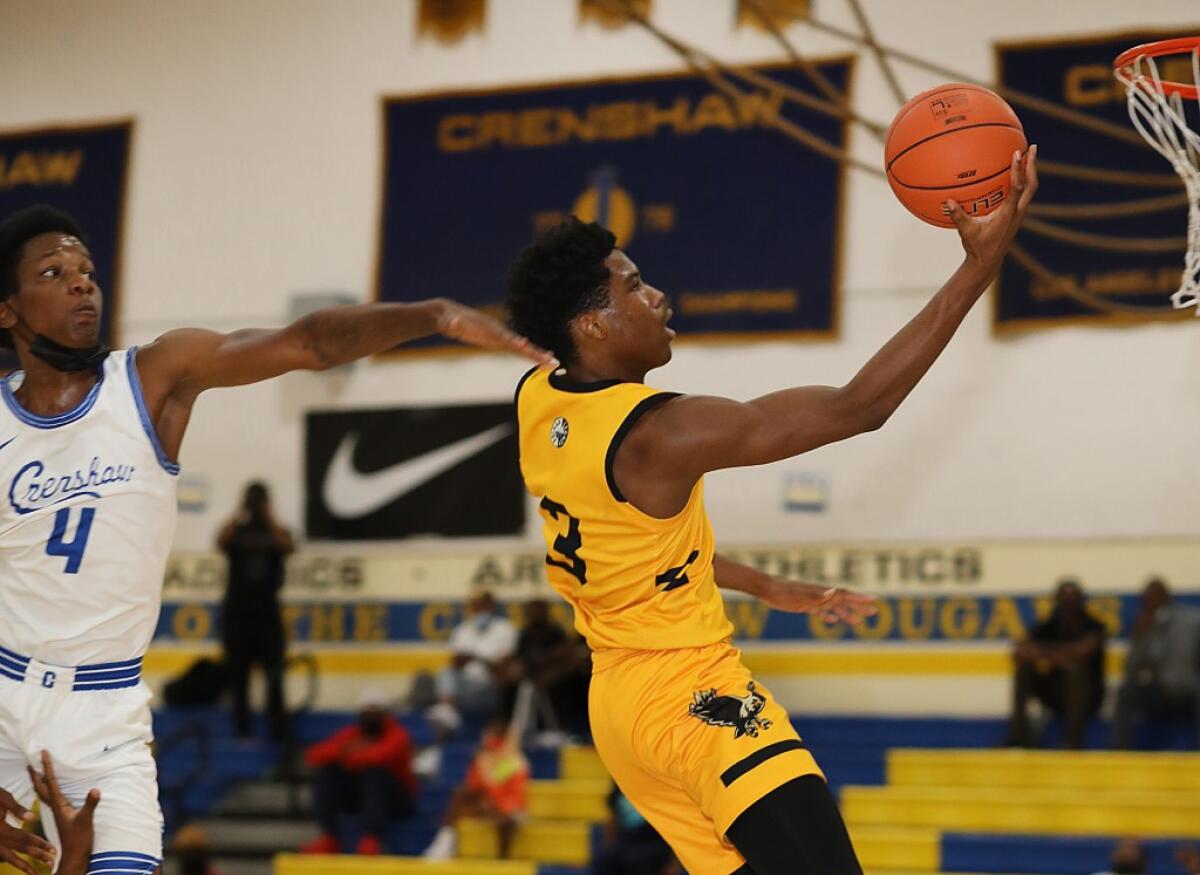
x=636 y=582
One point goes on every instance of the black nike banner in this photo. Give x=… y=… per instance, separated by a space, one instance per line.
x=394 y=473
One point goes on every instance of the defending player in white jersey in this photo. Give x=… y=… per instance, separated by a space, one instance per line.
x=89 y=440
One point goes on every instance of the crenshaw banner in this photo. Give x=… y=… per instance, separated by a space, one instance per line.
x=1134 y=258
x=394 y=473
x=84 y=170
x=739 y=224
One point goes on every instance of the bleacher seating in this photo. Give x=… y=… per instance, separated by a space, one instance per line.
x=919 y=795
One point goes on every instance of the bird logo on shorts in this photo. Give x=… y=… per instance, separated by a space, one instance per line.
x=739 y=712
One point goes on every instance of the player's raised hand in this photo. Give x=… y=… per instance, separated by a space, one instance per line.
x=14 y=840
x=987 y=238
x=472 y=327
x=75 y=826
x=832 y=604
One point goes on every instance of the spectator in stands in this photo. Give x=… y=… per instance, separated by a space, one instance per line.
x=1128 y=858
x=631 y=845
x=364 y=769
x=193 y=850
x=495 y=789
x=481 y=646
x=252 y=624
x=1162 y=670
x=1188 y=858
x=1061 y=664
x=559 y=664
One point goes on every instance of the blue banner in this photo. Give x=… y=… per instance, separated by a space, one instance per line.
x=1077 y=74
x=83 y=170
x=901 y=618
x=738 y=223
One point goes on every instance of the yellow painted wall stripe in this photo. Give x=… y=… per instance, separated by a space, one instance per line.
x=775 y=661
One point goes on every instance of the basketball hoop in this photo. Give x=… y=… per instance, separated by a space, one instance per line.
x=1156 y=108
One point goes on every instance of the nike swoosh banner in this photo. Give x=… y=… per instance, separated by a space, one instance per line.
x=395 y=473
x=81 y=169
x=738 y=223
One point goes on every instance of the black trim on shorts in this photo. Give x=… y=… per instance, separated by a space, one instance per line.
x=622 y=432
x=759 y=757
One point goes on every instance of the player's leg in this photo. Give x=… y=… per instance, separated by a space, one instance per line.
x=620 y=717
x=102 y=739
x=795 y=829
x=13 y=776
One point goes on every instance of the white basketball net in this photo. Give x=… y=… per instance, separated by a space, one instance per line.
x=1160 y=118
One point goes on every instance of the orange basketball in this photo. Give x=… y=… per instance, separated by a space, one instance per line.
x=953 y=142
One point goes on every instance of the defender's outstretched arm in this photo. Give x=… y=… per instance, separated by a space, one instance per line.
x=192 y=359
x=181 y=364
x=692 y=435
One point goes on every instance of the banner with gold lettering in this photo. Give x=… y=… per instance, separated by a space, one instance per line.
x=82 y=170
x=740 y=225
x=1103 y=252
x=928 y=592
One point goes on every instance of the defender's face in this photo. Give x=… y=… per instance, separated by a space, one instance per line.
x=57 y=295
x=637 y=315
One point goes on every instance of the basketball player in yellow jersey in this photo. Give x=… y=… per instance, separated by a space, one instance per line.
x=702 y=750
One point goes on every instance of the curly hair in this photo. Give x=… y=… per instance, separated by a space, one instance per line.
x=16 y=230
x=557 y=277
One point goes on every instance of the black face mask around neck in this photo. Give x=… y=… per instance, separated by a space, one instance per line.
x=67 y=358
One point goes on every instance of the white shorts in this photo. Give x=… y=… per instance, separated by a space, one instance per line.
x=97 y=738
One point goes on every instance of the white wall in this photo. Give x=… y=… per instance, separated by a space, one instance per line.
x=255 y=176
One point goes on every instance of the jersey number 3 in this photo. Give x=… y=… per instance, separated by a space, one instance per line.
x=566 y=545
x=71 y=550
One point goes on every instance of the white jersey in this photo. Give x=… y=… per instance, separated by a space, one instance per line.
x=87 y=516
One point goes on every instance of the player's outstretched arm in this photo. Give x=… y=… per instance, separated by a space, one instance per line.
x=694 y=434
x=831 y=603
x=191 y=360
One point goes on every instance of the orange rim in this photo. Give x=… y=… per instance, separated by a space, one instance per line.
x=1179 y=46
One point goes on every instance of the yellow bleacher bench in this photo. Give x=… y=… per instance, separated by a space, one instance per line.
x=544 y=841
x=1148 y=813
x=1080 y=770
x=581 y=764
x=569 y=800
x=316 y=864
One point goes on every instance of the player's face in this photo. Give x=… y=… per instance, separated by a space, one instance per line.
x=637 y=315
x=57 y=292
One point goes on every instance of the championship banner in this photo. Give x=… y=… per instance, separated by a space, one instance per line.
x=1077 y=73
x=737 y=223
x=83 y=170
x=385 y=474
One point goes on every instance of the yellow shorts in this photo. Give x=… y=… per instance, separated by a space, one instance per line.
x=693 y=742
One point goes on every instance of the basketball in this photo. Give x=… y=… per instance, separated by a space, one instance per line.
x=952 y=142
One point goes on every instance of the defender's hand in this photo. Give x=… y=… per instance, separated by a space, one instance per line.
x=831 y=604
x=469 y=326
x=987 y=238
x=75 y=826
x=14 y=840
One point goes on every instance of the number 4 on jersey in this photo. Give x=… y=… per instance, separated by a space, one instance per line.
x=71 y=550
x=566 y=545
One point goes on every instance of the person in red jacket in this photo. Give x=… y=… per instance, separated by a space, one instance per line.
x=364 y=769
